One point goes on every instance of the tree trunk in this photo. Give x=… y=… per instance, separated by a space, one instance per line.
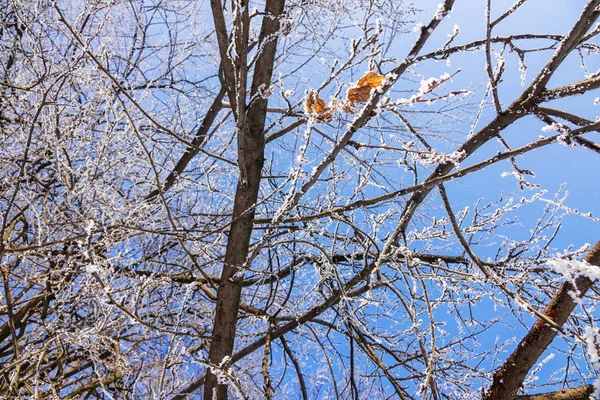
x=251 y=145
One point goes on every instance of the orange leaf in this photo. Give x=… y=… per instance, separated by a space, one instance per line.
x=310 y=102
x=315 y=104
x=371 y=79
x=320 y=105
x=359 y=94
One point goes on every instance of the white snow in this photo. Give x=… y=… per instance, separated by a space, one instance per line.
x=575 y=268
x=552 y=127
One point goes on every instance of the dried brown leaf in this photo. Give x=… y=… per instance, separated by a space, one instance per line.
x=371 y=79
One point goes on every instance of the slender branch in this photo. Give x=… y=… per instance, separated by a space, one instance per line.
x=289 y=353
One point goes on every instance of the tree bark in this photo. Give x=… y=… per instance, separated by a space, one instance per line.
x=576 y=393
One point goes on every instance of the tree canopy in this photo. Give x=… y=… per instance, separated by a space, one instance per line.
x=288 y=199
